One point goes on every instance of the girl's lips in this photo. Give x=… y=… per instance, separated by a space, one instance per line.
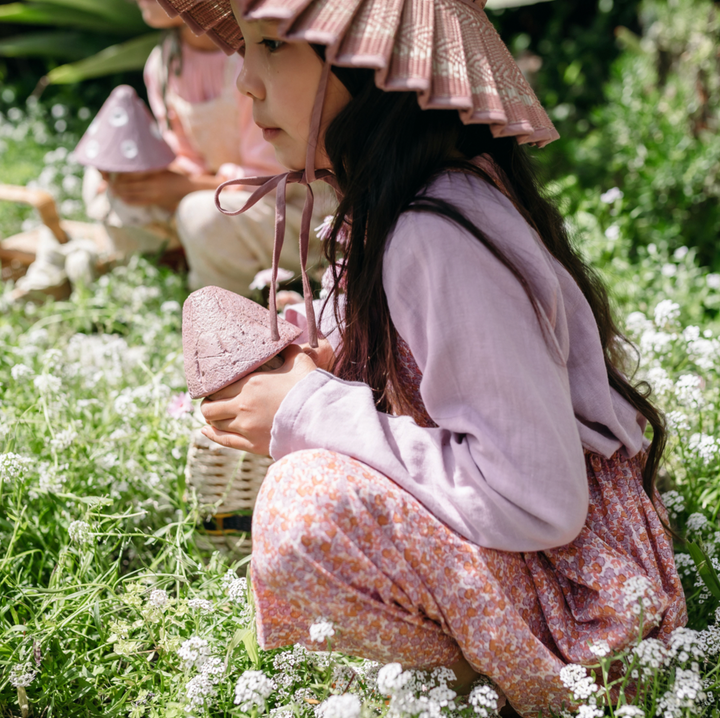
x=270 y=133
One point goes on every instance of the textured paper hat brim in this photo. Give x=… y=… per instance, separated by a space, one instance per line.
x=445 y=50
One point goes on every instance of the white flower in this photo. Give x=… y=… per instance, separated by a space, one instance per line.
x=668 y=269
x=677 y=421
x=666 y=312
x=484 y=700
x=198 y=690
x=13 y=467
x=680 y=253
x=685 y=644
x=600 y=648
x=571 y=674
x=264 y=277
x=391 y=678
x=674 y=503
x=79 y=532
x=195 y=652
x=706 y=447
x=637 y=323
x=321 y=630
x=22 y=675
x=629 y=712
x=713 y=281
x=659 y=380
x=591 y=711
x=158 y=598
x=21 y=371
x=237 y=589
x=252 y=689
x=635 y=593
x=47 y=383
x=612 y=195
x=63 y=439
x=656 y=342
x=170 y=307
x=201 y=604
x=688 y=389
x=651 y=654
x=323 y=230
x=685 y=565
x=612 y=232
x=344 y=706
x=697 y=524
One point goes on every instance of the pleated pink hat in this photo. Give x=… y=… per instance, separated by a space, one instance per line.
x=124 y=137
x=446 y=50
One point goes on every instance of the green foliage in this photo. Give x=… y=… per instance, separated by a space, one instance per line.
x=656 y=136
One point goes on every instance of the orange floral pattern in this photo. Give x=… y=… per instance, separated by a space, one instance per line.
x=335 y=539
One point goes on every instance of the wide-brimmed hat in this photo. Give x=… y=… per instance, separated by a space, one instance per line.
x=124 y=137
x=445 y=50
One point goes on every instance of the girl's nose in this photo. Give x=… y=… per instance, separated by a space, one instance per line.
x=249 y=83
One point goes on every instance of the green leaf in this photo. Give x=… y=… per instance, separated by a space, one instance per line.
x=705 y=569
x=64 y=45
x=126 y=56
x=48 y=14
x=122 y=11
x=251 y=645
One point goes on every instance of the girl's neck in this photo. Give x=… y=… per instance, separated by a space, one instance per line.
x=202 y=42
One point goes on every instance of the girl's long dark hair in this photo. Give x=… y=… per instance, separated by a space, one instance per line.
x=384 y=149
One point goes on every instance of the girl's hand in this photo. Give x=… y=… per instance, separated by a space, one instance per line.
x=323 y=356
x=164 y=188
x=240 y=416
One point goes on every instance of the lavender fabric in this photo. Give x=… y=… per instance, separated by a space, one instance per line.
x=515 y=405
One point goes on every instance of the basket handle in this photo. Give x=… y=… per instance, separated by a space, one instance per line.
x=43 y=203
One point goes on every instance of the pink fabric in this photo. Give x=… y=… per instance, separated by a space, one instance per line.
x=204 y=77
x=514 y=406
x=335 y=539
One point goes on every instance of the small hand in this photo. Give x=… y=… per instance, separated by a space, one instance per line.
x=164 y=188
x=241 y=415
x=323 y=356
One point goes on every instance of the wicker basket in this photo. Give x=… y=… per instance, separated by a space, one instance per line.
x=227 y=481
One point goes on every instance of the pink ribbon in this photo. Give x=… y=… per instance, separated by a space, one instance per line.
x=280 y=182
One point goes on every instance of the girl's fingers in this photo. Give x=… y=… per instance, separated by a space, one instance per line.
x=227 y=438
x=217 y=410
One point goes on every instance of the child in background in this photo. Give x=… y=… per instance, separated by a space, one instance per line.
x=209 y=125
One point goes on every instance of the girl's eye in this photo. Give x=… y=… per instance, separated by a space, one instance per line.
x=272 y=45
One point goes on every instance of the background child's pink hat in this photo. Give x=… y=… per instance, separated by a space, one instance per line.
x=124 y=137
x=446 y=50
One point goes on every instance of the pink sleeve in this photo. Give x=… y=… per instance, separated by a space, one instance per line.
x=505 y=466
x=187 y=159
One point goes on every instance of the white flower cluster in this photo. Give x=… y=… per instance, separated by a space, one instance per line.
x=706 y=447
x=236 y=588
x=600 y=648
x=666 y=312
x=201 y=688
x=321 y=630
x=79 y=532
x=47 y=383
x=677 y=421
x=697 y=524
x=685 y=694
x=252 y=689
x=22 y=675
x=158 y=598
x=674 y=503
x=63 y=439
x=685 y=644
x=13 y=467
x=194 y=652
x=20 y=372
x=629 y=712
x=579 y=683
x=635 y=593
x=688 y=390
x=484 y=700
x=201 y=604
x=344 y=706
x=651 y=656
x=420 y=693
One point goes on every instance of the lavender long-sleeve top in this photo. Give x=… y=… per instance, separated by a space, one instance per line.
x=515 y=405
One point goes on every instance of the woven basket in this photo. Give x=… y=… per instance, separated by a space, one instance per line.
x=226 y=481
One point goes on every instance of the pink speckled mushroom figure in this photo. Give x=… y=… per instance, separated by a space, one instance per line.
x=124 y=137
x=226 y=337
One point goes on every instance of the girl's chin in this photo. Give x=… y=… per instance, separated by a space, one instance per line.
x=289 y=160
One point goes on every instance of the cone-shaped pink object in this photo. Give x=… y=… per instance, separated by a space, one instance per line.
x=124 y=137
x=225 y=337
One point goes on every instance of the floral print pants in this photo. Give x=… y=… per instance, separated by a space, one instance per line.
x=335 y=539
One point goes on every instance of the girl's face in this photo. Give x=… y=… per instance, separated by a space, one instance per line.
x=282 y=79
x=156 y=17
